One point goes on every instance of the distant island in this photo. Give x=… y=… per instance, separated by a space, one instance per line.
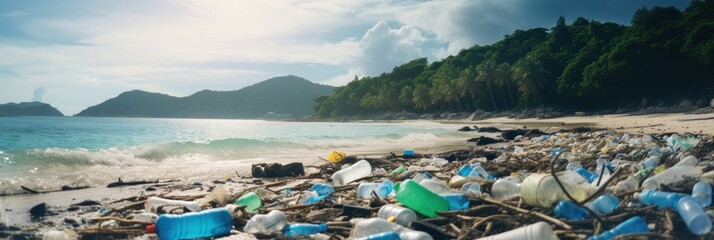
x=29 y=109
x=279 y=97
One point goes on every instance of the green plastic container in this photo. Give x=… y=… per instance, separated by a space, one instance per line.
x=397 y=171
x=251 y=201
x=420 y=199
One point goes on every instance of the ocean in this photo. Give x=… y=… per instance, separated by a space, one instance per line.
x=46 y=153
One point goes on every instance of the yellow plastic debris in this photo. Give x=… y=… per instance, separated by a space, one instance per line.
x=336 y=156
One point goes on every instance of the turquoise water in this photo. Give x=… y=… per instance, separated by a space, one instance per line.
x=50 y=152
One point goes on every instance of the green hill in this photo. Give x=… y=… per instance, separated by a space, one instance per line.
x=287 y=96
x=28 y=109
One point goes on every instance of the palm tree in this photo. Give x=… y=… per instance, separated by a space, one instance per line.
x=421 y=98
x=452 y=92
x=505 y=78
x=530 y=75
x=467 y=83
x=488 y=72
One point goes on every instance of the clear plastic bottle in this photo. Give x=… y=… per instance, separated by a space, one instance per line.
x=504 y=189
x=309 y=197
x=702 y=192
x=603 y=205
x=364 y=190
x=543 y=191
x=356 y=171
x=633 y=225
x=631 y=183
x=209 y=223
x=688 y=161
x=146 y=217
x=250 y=200
x=649 y=163
x=303 y=229
x=435 y=161
x=671 y=175
x=404 y=216
x=265 y=223
x=457 y=201
x=152 y=204
x=420 y=199
x=436 y=186
x=536 y=231
x=419 y=177
x=472 y=188
x=372 y=226
x=588 y=175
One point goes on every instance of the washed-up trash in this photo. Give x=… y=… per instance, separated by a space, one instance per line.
x=397 y=171
x=59 y=235
x=435 y=161
x=602 y=205
x=472 y=188
x=152 y=204
x=275 y=170
x=303 y=229
x=364 y=190
x=210 y=223
x=631 y=183
x=146 y=217
x=372 y=226
x=542 y=190
x=633 y=225
x=408 y=153
x=265 y=223
x=688 y=208
x=420 y=199
x=536 y=231
x=419 y=177
x=403 y=216
x=388 y=235
x=436 y=186
x=672 y=175
x=356 y=171
x=379 y=172
x=336 y=156
x=250 y=200
x=702 y=192
x=457 y=201
x=588 y=175
x=682 y=143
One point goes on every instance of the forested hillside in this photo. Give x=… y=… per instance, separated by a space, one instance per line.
x=664 y=55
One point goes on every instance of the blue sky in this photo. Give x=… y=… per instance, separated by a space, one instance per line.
x=77 y=53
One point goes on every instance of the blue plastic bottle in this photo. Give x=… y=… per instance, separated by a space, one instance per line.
x=457 y=201
x=694 y=216
x=661 y=199
x=702 y=192
x=604 y=204
x=208 y=223
x=570 y=211
x=303 y=229
x=323 y=189
x=390 y=235
x=465 y=170
x=633 y=225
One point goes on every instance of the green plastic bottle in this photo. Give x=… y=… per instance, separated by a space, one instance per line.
x=397 y=171
x=251 y=201
x=420 y=199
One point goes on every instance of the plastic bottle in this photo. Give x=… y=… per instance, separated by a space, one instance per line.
x=57 y=235
x=250 y=200
x=464 y=170
x=408 y=152
x=323 y=189
x=504 y=189
x=661 y=199
x=694 y=216
x=478 y=171
x=688 y=161
x=356 y=171
x=590 y=176
x=536 y=231
x=419 y=177
x=457 y=201
x=649 y=163
x=404 y=216
x=146 y=217
x=436 y=186
x=309 y=197
x=420 y=199
x=379 y=172
x=633 y=225
x=671 y=175
x=603 y=205
x=631 y=183
x=543 y=191
x=397 y=171
x=364 y=190
x=265 y=223
x=152 y=204
x=388 y=235
x=433 y=161
x=372 y=226
x=303 y=229
x=472 y=188
x=702 y=192
x=209 y=223
x=570 y=211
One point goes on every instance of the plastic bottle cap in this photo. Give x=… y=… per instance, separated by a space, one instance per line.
x=392 y=219
x=151 y=228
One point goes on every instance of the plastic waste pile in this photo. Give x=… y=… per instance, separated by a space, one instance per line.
x=558 y=185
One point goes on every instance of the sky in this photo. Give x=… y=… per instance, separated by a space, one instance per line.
x=74 y=54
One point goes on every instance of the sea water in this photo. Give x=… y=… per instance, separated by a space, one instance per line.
x=46 y=153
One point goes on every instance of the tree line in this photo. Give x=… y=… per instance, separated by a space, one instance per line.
x=664 y=55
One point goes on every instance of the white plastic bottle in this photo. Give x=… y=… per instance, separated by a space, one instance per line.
x=356 y=171
x=672 y=175
x=152 y=204
x=265 y=223
x=403 y=215
x=536 y=231
x=688 y=161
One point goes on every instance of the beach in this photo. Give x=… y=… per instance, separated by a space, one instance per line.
x=63 y=213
